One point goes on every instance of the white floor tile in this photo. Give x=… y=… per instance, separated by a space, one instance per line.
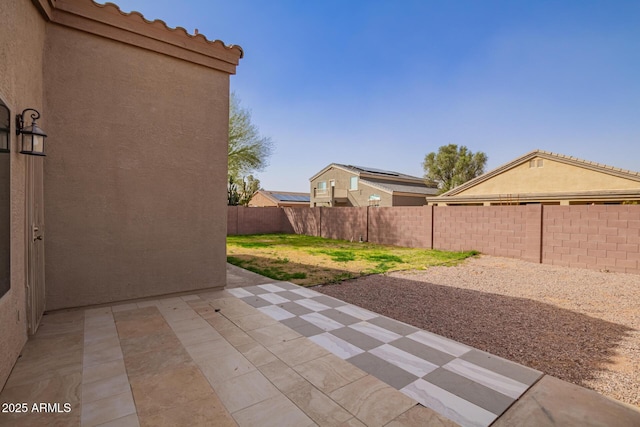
x=376 y=332
x=335 y=345
x=448 y=404
x=404 y=360
x=440 y=343
x=493 y=380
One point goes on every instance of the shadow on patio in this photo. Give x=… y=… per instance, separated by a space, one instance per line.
x=568 y=345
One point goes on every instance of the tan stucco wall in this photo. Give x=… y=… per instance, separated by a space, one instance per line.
x=552 y=177
x=359 y=197
x=22 y=33
x=409 y=200
x=259 y=199
x=135 y=194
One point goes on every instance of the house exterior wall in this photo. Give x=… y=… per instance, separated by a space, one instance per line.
x=22 y=32
x=341 y=178
x=260 y=200
x=134 y=196
x=343 y=196
x=552 y=177
x=409 y=201
x=361 y=196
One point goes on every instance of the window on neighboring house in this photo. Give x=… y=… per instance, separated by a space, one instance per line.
x=353 y=183
x=374 y=200
x=322 y=187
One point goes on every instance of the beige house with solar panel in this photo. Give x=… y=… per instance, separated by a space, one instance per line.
x=279 y=199
x=346 y=185
x=542 y=177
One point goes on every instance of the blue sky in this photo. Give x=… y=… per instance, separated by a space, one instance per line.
x=381 y=83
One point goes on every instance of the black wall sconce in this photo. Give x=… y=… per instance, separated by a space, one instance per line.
x=32 y=136
x=4 y=128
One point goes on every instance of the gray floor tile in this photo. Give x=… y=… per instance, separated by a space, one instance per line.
x=383 y=370
x=502 y=366
x=340 y=317
x=302 y=327
x=471 y=391
x=357 y=338
x=427 y=353
x=294 y=322
x=287 y=285
x=393 y=325
x=256 y=290
x=256 y=302
x=294 y=308
x=331 y=302
x=308 y=330
x=291 y=296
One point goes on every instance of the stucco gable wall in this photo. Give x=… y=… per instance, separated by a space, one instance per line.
x=364 y=191
x=552 y=177
x=134 y=176
x=260 y=199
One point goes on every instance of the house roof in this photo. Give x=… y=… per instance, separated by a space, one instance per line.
x=369 y=172
x=108 y=21
x=598 y=167
x=160 y=24
x=286 y=196
x=391 y=187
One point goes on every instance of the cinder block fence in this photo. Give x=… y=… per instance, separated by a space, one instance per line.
x=603 y=237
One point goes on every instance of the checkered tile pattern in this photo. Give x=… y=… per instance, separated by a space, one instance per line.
x=466 y=385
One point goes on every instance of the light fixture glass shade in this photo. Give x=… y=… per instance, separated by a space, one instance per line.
x=33 y=140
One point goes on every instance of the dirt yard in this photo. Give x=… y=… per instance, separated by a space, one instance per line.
x=582 y=326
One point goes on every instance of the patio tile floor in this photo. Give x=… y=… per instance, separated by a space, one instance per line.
x=201 y=359
x=237 y=358
x=466 y=385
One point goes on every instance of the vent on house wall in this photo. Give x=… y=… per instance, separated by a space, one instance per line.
x=536 y=163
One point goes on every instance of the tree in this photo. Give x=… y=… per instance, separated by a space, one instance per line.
x=241 y=192
x=452 y=166
x=248 y=151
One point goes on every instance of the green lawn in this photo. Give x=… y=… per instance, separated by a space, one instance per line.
x=307 y=260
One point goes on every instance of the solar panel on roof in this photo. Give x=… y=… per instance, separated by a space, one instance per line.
x=378 y=171
x=290 y=197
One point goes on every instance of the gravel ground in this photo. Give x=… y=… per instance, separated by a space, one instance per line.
x=582 y=326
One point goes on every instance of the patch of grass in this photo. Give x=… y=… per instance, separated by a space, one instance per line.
x=338 y=255
x=308 y=260
x=273 y=272
x=382 y=257
x=253 y=244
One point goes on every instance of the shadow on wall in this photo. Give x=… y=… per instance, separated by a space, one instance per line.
x=518 y=329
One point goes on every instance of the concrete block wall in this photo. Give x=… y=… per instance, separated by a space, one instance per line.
x=344 y=223
x=492 y=230
x=406 y=226
x=597 y=237
x=303 y=221
x=241 y=220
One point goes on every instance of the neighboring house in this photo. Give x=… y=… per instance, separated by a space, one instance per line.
x=130 y=200
x=541 y=177
x=347 y=185
x=280 y=199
